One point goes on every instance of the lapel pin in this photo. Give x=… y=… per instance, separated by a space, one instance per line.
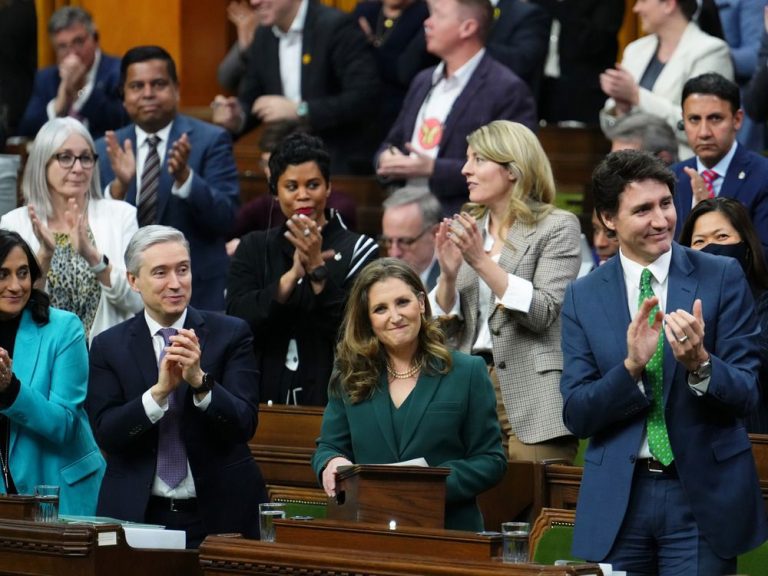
x=337 y=256
x=306 y=59
x=742 y=175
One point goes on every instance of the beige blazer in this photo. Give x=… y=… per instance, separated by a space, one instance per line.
x=526 y=347
x=697 y=53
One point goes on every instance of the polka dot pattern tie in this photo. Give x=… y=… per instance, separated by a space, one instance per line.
x=171 y=451
x=658 y=439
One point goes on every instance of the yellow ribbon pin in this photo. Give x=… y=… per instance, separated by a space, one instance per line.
x=306 y=59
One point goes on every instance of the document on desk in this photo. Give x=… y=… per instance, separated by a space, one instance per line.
x=415 y=462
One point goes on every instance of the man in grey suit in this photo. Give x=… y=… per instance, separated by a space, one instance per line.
x=409 y=224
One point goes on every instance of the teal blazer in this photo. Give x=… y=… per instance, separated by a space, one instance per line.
x=50 y=438
x=451 y=422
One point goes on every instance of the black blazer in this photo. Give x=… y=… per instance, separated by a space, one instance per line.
x=227 y=479
x=756 y=92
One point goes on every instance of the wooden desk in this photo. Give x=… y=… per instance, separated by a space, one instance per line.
x=57 y=549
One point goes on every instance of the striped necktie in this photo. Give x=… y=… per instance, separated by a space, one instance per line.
x=709 y=176
x=658 y=439
x=150 y=182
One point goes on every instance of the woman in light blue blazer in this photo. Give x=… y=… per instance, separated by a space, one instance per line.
x=45 y=437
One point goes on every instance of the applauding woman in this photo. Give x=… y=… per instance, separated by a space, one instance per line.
x=44 y=433
x=290 y=283
x=504 y=266
x=400 y=394
x=79 y=237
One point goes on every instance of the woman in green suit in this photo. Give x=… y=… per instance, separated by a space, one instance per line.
x=398 y=394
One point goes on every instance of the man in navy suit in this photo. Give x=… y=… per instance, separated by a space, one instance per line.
x=173 y=400
x=427 y=145
x=84 y=83
x=660 y=367
x=722 y=167
x=196 y=189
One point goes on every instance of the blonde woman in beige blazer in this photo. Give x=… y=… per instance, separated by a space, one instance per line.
x=505 y=264
x=683 y=50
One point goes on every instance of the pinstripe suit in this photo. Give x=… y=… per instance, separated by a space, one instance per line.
x=526 y=347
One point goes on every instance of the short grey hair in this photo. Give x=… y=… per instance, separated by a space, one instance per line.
x=49 y=139
x=431 y=211
x=147 y=237
x=653 y=132
x=67 y=17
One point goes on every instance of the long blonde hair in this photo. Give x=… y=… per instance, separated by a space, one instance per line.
x=360 y=357
x=514 y=146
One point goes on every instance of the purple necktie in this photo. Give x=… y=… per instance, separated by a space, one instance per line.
x=171 y=452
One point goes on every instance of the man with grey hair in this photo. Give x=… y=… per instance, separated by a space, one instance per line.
x=84 y=83
x=173 y=399
x=409 y=225
x=642 y=131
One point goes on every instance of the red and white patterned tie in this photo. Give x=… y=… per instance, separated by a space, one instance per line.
x=709 y=176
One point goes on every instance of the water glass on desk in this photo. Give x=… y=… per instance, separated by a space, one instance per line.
x=47 y=503
x=268 y=511
x=515 y=537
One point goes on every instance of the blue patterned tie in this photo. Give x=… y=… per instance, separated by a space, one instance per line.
x=171 y=452
x=658 y=439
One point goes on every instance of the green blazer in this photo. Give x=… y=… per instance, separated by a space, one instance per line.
x=451 y=422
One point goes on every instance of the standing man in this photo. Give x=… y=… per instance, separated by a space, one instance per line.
x=409 y=225
x=659 y=369
x=427 y=146
x=712 y=116
x=173 y=400
x=84 y=83
x=176 y=170
x=309 y=63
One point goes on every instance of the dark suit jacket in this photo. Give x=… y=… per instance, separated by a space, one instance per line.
x=493 y=93
x=588 y=45
x=207 y=215
x=104 y=109
x=601 y=400
x=756 y=92
x=519 y=39
x=18 y=61
x=746 y=181
x=451 y=421
x=339 y=82
x=227 y=479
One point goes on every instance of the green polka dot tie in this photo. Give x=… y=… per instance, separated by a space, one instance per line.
x=658 y=440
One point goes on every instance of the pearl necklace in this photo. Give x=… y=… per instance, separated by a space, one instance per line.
x=403 y=375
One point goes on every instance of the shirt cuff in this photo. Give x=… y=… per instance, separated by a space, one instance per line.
x=185 y=189
x=699 y=388
x=437 y=309
x=50 y=110
x=204 y=403
x=518 y=295
x=151 y=408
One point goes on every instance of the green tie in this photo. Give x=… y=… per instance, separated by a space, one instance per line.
x=658 y=440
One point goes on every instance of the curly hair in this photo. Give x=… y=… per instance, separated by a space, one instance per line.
x=360 y=357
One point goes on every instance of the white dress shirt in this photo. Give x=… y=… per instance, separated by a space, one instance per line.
x=290 y=53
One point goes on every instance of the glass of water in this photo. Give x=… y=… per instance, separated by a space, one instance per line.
x=47 y=503
x=515 y=537
x=268 y=511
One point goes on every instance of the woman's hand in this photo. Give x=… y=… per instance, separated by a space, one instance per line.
x=43 y=235
x=329 y=474
x=448 y=254
x=466 y=236
x=306 y=237
x=6 y=369
x=76 y=222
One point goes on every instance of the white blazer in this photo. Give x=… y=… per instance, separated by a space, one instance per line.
x=697 y=53
x=113 y=223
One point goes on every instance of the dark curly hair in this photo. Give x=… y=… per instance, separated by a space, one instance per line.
x=297 y=149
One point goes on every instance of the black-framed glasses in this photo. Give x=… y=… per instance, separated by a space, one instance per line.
x=404 y=242
x=66 y=160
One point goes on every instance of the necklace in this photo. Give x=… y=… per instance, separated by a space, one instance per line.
x=403 y=375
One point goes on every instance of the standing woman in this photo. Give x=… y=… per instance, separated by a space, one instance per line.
x=290 y=283
x=44 y=433
x=400 y=394
x=79 y=236
x=504 y=266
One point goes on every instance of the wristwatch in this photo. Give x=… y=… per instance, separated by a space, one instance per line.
x=207 y=384
x=318 y=274
x=101 y=266
x=704 y=370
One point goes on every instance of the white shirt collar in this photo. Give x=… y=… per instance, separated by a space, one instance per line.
x=154 y=326
x=721 y=167
x=90 y=77
x=163 y=134
x=659 y=268
x=297 y=26
x=463 y=74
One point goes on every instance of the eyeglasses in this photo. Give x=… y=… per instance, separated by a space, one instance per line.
x=405 y=242
x=66 y=160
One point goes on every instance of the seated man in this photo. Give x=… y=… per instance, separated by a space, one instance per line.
x=84 y=83
x=427 y=145
x=176 y=170
x=311 y=63
x=408 y=227
x=712 y=116
x=173 y=399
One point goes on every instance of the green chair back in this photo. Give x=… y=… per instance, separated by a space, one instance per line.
x=754 y=562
